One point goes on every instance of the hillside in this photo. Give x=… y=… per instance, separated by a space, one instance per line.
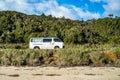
x=17 y=27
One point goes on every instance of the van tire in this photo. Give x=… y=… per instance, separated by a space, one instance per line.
x=56 y=47
x=36 y=47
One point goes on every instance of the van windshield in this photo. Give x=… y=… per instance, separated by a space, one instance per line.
x=57 y=40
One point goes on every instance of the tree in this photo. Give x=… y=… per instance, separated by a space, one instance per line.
x=110 y=15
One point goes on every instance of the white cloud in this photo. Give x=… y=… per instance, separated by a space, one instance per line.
x=52 y=7
x=47 y=7
x=112 y=7
x=85 y=14
x=18 y=5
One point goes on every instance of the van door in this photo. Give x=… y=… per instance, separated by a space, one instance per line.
x=47 y=44
x=35 y=42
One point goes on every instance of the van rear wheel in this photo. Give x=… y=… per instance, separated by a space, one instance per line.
x=56 y=47
x=36 y=47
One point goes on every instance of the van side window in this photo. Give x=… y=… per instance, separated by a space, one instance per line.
x=36 y=40
x=31 y=40
x=57 y=40
x=47 y=40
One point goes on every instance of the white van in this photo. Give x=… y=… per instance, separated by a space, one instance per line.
x=45 y=43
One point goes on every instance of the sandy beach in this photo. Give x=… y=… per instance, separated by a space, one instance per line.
x=55 y=73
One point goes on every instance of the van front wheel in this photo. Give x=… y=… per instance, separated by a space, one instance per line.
x=36 y=47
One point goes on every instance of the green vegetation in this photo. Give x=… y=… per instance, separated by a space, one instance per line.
x=109 y=56
x=19 y=28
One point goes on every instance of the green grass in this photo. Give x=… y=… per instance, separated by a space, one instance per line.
x=98 y=55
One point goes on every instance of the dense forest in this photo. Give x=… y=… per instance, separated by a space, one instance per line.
x=16 y=27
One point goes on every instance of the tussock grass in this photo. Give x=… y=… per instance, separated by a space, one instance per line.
x=96 y=56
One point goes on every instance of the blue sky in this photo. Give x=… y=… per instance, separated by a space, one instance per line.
x=73 y=9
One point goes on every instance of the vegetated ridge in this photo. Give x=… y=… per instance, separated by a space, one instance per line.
x=17 y=27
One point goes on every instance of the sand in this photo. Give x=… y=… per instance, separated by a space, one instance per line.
x=55 y=73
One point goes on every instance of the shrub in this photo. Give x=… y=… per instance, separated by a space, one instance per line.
x=97 y=58
x=72 y=57
x=111 y=56
x=116 y=50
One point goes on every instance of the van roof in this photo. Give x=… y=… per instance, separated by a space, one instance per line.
x=44 y=37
